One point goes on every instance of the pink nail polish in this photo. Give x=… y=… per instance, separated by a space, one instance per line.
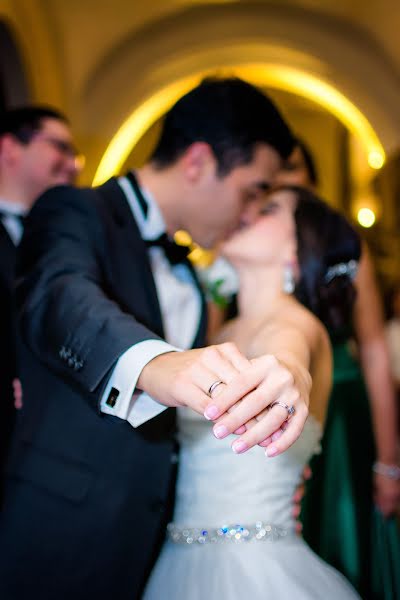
x=265 y=443
x=239 y=446
x=276 y=435
x=240 y=430
x=211 y=412
x=220 y=431
x=271 y=451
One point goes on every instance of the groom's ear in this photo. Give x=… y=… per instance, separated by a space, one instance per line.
x=11 y=149
x=197 y=160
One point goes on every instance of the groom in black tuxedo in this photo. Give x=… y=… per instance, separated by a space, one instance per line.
x=106 y=302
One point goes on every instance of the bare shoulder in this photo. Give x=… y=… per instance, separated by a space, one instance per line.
x=298 y=318
x=305 y=318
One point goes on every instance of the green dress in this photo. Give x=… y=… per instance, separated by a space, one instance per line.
x=340 y=522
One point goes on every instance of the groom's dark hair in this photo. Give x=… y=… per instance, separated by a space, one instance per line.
x=231 y=116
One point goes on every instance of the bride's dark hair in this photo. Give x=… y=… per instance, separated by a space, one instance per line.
x=328 y=250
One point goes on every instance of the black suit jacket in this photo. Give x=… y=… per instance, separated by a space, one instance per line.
x=88 y=495
x=8 y=367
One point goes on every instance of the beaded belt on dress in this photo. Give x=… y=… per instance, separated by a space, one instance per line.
x=227 y=533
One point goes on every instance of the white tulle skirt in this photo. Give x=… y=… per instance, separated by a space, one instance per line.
x=258 y=570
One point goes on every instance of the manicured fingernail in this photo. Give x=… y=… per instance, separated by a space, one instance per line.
x=265 y=442
x=271 y=451
x=240 y=430
x=211 y=412
x=239 y=446
x=276 y=435
x=220 y=431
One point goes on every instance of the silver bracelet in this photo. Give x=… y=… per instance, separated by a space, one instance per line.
x=390 y=471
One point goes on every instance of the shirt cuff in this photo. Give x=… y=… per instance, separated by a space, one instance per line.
x=119 y=398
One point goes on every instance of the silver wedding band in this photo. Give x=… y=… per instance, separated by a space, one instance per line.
x=290 y=409
x=213 y=387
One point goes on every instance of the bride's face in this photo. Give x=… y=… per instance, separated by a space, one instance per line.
x=271 y=239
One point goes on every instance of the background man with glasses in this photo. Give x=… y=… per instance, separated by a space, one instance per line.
x=36 y=153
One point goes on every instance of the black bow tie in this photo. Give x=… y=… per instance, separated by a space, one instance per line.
x=174 y=252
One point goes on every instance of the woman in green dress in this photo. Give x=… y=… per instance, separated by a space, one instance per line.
x=349 y=509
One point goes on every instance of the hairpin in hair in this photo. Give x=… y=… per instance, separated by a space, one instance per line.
x=350 y=269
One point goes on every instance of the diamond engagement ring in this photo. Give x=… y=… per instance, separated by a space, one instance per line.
x=290 y=409
x=213 y=387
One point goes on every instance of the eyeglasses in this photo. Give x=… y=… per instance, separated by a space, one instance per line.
x=65 y=148
x=62 y=146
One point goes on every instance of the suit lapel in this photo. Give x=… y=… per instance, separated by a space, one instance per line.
x=8 y=254
x=131 y=270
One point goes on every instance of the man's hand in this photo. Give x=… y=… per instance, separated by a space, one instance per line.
x=17 y=389
x=184 y=378
x=298 y=497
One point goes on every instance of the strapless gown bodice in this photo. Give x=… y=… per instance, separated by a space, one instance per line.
x=232 y=535
x=216 y=486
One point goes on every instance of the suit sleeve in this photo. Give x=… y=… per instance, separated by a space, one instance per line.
x=67 y=317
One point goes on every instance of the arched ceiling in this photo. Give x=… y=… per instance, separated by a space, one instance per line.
x=204 y=38
x=379 y=19
x=93 y=55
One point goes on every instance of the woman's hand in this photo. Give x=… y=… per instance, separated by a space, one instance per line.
x=386 y=494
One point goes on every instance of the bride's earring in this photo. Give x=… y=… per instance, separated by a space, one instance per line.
x=288 y=283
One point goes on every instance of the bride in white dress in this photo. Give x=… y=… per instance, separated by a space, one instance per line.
x=233 y=534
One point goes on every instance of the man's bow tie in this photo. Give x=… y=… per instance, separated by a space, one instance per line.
x=174 y=252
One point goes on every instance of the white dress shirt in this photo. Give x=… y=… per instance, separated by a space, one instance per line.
x=11 y=221
x=180 y=305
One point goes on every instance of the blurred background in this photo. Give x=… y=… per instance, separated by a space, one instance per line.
x=114 y=68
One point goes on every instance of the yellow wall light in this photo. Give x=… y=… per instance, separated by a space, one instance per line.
x=315 y=89
x=136 y=126
x=266 y=75
x=366 y=217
